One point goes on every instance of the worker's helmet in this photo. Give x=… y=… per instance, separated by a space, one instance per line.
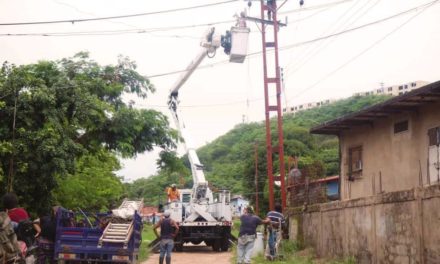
x=166 y=214
x=173 y=185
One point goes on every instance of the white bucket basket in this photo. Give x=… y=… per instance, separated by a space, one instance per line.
x=239 y=44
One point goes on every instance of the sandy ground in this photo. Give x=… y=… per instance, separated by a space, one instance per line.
x=193 y=255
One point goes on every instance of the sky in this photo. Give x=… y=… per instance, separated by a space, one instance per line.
x=381 y=43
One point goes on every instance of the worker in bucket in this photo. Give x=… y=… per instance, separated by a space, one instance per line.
x=248 y=234
x=168 y=231
x=173 y=193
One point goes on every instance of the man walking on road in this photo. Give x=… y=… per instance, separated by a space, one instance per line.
x=247 y=235
x=167 y=235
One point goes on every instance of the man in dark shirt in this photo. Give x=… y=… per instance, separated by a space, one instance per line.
x=247 y=235
x=168 y=230
x=277 y=221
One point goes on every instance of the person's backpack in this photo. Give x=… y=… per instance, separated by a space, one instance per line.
x=25 y=232
x=9 y=250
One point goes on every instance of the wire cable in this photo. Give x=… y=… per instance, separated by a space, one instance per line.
x=324 y=45
x=426 y=6
x=310 y=49
x=114 y=17
x=309 y=41
x=137 y=30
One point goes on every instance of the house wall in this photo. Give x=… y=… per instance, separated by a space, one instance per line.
x=238 y=205
x=398 y=227
x=391 y=162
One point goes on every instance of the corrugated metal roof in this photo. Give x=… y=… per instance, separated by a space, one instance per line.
x=408 y=102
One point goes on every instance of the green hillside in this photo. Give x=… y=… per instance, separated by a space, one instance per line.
x=230 y=160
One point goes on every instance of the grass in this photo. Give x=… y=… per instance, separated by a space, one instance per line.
x=235 y=227
x=147 y=237
x=292 y=255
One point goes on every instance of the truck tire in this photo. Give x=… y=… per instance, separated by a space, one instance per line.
x=216 y=245
x=179 y=247
x=224 y=244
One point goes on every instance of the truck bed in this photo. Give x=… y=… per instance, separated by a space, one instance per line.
x=75 y=242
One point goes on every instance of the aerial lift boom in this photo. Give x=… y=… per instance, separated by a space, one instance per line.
x=204 y=218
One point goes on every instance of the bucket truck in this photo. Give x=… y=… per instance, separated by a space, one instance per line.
x=207 y=216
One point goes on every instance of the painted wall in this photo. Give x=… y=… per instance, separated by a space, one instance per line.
x=238 y=205
x=397 y=227
x=391 y=162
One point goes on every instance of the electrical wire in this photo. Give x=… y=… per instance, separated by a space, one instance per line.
x=115 y=17
x=116 y=32
x=425 y=7
x=137 y=30
x=324 y=45
x=310 y=49
x=310 y=41
x=314 y=7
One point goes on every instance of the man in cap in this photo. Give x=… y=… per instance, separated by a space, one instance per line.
x=168 y=230
x=173 y=193
x=247 y=234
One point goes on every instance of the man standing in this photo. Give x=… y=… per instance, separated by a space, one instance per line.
x=247 y=235
x=173 y=194
x=277 y=221
x=167 y=235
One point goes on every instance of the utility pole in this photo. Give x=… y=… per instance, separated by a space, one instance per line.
x=257 y=211
x=272 y=81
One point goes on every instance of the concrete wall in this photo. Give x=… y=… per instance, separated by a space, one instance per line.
x=397 y=227
x=391 y=162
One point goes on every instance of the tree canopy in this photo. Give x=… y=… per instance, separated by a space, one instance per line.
x=64 y=122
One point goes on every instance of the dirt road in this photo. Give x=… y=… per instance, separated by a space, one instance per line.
x=194 y=255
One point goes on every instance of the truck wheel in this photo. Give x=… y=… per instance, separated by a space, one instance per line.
x=179 y=247
x=225 y=244
x=216 y=245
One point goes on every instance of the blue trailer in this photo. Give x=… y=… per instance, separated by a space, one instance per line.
x=79 y=237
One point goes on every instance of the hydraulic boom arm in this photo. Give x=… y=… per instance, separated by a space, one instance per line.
x=209 y=45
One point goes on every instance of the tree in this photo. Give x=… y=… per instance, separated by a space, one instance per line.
x=93 y=186
x=56 y=113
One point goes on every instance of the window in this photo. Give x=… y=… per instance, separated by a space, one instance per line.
x=186 y=198
x=300 y=107
x=405 y=86
x=400 y=93
x=310 y=105
x=354 y=162
x=400 y=87
x=413 y=84
x=390 y=89
x=401 y=127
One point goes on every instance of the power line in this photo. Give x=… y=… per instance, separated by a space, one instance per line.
x=426 y=6
x=116 y=32
x=309 y=50
x=115 y=17
x=320 y=47
x=150 y=30
x=314 y=7
x=312 y=40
